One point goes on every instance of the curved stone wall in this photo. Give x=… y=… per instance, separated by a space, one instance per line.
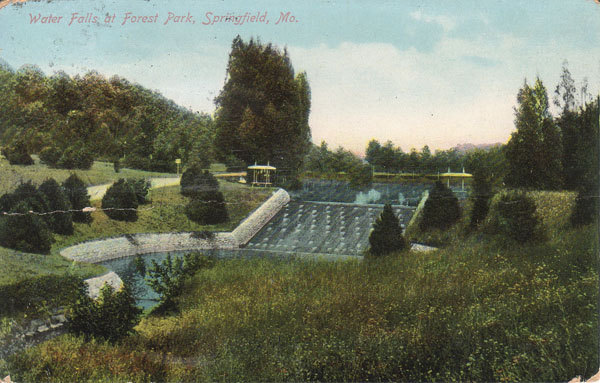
x=260 y=217
x=138 y=244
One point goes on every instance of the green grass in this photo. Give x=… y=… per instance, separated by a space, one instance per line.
x=166 y=213
x=19 y=266
x=553 y=209
x=471 y=312
x=100 y=173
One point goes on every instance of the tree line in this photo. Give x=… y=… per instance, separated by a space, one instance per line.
x=72 y=120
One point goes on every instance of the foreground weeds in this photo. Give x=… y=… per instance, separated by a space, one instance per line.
x=478 y=311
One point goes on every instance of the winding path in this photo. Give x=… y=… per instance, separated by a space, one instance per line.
x=97 y=192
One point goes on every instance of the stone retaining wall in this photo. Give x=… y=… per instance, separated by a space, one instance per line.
x=138 y=244
x=260 y=217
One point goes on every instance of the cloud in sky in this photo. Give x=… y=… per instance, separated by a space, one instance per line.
x=415 y=72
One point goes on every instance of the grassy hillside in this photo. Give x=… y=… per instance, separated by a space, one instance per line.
x=166 y=213
x=471 y=312
x=553 y=209
x=100 y=173
x=19 y=266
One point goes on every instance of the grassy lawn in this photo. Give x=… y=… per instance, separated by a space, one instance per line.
x=18 y=266
x=166 y=213
x=100 y=173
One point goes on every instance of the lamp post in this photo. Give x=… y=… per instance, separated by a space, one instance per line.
x=178 y=162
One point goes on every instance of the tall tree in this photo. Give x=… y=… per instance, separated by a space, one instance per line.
x=534 y=151
x=262 y=110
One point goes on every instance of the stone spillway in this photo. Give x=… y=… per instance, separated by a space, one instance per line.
x=322 y=228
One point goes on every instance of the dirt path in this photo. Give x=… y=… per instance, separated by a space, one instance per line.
x=98 y=191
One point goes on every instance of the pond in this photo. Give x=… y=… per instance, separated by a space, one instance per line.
x=147 y=299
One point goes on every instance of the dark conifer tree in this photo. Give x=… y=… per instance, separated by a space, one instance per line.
x=386 y=236
x=441 y=209
x=78 y=197
x=60 y=219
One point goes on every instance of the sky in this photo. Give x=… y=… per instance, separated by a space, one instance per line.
x=437 y=73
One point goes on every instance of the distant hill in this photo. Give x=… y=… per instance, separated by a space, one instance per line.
x=463 y=148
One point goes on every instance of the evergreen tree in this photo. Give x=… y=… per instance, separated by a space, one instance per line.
x=121 y=202
x=441 y=208
x=518 y=219
x=60 y=219
x=17 y=154
x=262 y=111
x=534 y=151
x=207 y=208
x=78 y=197
x=386 y=236
x=481 y=198
x=195 y=181
x=24 y=230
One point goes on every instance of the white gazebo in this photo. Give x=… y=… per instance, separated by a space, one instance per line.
x=261 y=174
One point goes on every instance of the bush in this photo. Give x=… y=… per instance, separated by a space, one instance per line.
x=121 y=201
x=50 y=155
x=586 y=205
x=517 y=217
x=166 y=278
x=34 y=295
x=386 y=236
x=481 y=199
x=76 y=157
x=112 y=316
x=77 y=195
x=60 y=219
x=17 y=154
x=441 y=209
x=207 y=208
x=195 y=181
x=141 y=188
x=25 y=231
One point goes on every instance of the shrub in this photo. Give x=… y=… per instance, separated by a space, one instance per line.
x=112 y=316
x=141 y=188
x=195 y=181
x=77 y=195
x=50 y=155
x=207 y=208
x=17 y=154
x=34 y=295
x=481 y=199
x=386 y=236
x=60 y=219
x=167 y=277
x=517 y=216
x=76 y=157
x=441 y=209
x=120 y=201
x=586 y=205
x=25 y=231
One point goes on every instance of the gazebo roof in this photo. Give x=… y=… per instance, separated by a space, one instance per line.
x=262 y=167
